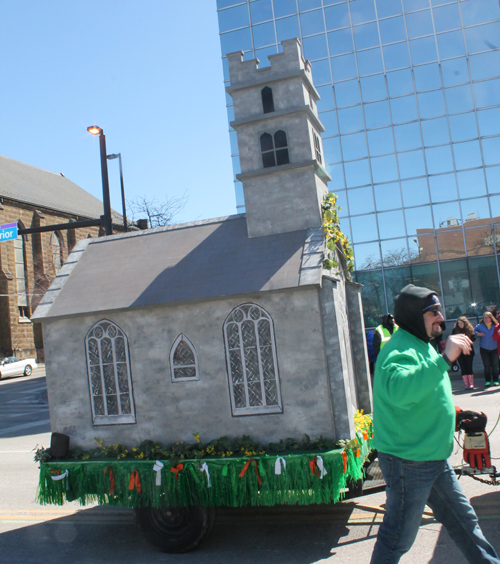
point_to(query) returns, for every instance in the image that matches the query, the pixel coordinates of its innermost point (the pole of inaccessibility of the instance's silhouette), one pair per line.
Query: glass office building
(410, 99)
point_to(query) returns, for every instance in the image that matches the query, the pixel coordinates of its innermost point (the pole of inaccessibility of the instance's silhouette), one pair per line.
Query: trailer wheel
(175, 529)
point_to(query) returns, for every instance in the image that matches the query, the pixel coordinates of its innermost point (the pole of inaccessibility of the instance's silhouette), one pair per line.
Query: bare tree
(158, 213)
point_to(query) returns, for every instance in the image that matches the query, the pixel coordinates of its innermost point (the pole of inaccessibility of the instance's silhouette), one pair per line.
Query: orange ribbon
(111, 479)
(344, 458)
(245, 468)
(135, 481)
(314, 466)
(177, 469)
(358, 453)
(365, 436)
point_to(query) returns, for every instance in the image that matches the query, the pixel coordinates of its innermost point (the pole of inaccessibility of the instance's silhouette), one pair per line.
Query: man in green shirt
(414, 420)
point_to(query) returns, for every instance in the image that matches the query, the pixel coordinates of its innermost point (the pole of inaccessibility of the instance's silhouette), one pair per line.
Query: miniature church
(228, 326)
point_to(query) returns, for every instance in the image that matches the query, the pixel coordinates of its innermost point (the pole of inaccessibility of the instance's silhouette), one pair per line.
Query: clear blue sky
(148, 73)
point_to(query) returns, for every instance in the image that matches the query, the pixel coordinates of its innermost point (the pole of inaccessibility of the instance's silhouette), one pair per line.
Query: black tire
(175, 529)
(28, 370)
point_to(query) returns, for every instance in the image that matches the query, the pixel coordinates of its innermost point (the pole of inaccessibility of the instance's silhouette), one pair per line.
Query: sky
(148, 73)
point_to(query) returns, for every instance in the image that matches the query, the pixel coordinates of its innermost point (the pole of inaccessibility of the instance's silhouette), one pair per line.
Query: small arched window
(109, 374)
(252, 362)
(267, 100)
(183, 360)
(317, 148)
(274, 149)
(21, 273)
(56, 244)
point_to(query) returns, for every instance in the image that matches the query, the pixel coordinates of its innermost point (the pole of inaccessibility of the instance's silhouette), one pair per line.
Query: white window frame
(110, 419)
(248, 409)
(183, 338)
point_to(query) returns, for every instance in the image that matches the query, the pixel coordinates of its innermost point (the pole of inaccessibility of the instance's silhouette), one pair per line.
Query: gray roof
(194, 261)
(25, 183)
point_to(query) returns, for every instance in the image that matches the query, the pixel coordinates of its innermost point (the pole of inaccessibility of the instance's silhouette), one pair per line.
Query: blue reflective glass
(404, 109)
(443, 188)
(331, 150)
(284, 8)
(471, 183)
(495, 208)
(482, 37)
(423, 50)
(455, 71)
(342, 203)
(415, 192)
(377, 114)
(493, 179)
(467, 155)
(362, 11)
(411, 5)
(326, 102)
(439, 159)
(380, 141)
(435, 132)
(354, 146)
(396, 56)
(263, 34)
(419, 23)
(225, 69)
(230, 113)
(491, 150)
(357, 173)
(476, 208)
(427, 77)
(451, 44)
(463, 127)
(446, 215)
(431, 104)
(336, 171)
(344, 67)
(233, 18)
(309, 4)
(373, 88)
(350, 119)
(312, 22)
(229, 100)
(485, 65)
(315, 47)
(236, 166)
(392, 30)
(366, 36)
(340, 41)
(226, 3)
(487, 93)
(361, 201)
(347, 93)
(400, 82)
(239, 196)
(287, 28)
(459, 99)
(391, 224)
(321, 72)
(480, 11)
(233, 140)
(263, 55)
(447, 18)
(364, 228)
(387, 196)
(489, 121)
(367, 257)
(329, 120)
(346, 228)
(337, 16)
(261, 11)
(370, 61)
(384, 169)
(240, 40)
(386, 8)
(411, 164)
(417, 219)
(407, 136)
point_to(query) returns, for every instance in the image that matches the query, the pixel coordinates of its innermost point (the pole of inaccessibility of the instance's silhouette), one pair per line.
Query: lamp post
(124, 210)
(106, 217)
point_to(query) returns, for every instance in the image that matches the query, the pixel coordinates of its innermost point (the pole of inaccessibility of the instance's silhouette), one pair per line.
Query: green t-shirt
(413, 408)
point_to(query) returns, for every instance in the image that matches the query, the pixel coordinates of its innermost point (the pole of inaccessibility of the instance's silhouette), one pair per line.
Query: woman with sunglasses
(488, 348)
(463, 326)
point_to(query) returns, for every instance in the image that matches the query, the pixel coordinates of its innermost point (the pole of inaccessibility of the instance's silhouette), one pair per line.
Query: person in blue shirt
(488, 348)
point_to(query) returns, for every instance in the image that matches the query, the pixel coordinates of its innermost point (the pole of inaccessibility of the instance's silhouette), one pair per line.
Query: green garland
(335, 238)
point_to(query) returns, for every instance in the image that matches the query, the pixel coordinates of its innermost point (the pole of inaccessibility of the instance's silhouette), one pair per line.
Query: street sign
(8, 232)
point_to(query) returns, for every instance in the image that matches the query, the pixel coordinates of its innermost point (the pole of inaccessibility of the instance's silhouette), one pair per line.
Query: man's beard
(436, 332)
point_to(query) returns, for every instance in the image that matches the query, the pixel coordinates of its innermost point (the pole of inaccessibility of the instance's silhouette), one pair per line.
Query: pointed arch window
(251, 361)
(56, 244)
(274, 149)
(21, 274)
(267, 100)
(183, 360)
(110, 378)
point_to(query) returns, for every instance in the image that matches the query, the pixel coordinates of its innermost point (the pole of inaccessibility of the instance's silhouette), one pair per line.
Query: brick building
(34, 197)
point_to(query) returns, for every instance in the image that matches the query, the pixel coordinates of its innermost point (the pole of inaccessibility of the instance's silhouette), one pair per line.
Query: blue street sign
(8, 232)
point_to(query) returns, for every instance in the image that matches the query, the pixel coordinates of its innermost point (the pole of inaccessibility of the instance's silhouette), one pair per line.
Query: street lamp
(124, 211)
(106, 218)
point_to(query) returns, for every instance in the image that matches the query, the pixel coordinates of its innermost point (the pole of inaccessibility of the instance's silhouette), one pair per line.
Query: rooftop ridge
(32, 166)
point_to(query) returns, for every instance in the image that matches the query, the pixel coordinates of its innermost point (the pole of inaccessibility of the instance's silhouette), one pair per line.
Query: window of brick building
(183, 360)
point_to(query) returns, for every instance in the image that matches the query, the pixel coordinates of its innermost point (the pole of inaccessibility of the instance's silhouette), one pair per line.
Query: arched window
(317, 148)
(56, 244)
(109, 374)
(21, 273)
(274, 150)
(183, 360)
(267, 100)
(251, 361)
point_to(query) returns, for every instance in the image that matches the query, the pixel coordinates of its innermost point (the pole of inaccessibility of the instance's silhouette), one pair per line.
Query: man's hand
(456, 345)
(480, 334)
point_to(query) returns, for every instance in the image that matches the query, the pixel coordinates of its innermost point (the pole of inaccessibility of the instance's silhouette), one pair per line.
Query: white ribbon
(61, 477)
(321, 467)
(204, 468)
(157, 468)
(280, 461)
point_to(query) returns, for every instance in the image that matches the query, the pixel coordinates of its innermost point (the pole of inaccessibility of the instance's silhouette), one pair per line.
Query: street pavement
(345, 532)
